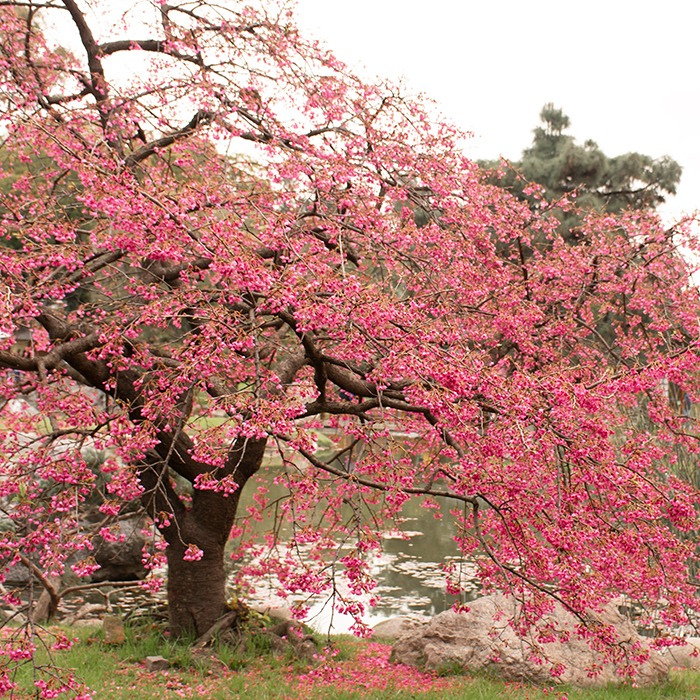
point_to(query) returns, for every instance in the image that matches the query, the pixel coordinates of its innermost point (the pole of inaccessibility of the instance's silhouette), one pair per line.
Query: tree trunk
(196, 589)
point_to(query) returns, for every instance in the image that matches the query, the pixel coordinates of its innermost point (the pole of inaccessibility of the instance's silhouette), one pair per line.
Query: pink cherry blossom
(241, 254)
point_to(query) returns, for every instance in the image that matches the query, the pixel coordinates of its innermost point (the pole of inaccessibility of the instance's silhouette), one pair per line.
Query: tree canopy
(216, 265)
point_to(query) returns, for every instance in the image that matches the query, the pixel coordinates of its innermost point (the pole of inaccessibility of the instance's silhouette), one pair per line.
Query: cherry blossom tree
(209, 228)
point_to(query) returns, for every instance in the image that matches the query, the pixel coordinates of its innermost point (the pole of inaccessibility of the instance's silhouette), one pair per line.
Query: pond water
(408, 572)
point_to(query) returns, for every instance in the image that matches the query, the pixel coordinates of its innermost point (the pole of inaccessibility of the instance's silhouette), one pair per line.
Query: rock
(85, 610)
(395, 627)
(12, 615)
(273, 611)
(687, 656)
(121, 561)
(482, 640)
(113, 628)
(156, 663)
(17, 576)
(22, 406)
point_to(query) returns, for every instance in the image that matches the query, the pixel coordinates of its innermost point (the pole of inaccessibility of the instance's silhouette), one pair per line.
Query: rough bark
(196, 590)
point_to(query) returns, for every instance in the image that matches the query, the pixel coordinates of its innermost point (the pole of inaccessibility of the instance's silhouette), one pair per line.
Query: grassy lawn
(353, 669)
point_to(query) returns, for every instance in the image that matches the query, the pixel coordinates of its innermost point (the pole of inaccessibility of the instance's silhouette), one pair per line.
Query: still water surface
(408, 571)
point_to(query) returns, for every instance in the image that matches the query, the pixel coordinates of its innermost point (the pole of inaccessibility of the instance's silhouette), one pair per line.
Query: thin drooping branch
(159, 498)
(517, 573)
(369, 483)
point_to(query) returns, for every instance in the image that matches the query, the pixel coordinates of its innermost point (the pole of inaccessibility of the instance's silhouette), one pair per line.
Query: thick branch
(201, 117)
(153, 45)
(52, 359)
(54, 597)
(340, 408)
(97, 75)
(173, 449)
(215, 510)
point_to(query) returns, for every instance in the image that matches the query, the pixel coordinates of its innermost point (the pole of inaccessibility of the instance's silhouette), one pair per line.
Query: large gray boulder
(687, 656)
(396, 627)
(121, 561)
(483, 640)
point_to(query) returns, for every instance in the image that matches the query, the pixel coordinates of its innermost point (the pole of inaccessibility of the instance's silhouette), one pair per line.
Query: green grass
(252, 671)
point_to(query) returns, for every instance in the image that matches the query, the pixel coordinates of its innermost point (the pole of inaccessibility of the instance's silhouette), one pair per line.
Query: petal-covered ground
(369, 670)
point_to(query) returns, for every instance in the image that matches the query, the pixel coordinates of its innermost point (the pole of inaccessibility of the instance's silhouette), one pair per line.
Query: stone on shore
(687, 656)
(482, 640)
(395, 627)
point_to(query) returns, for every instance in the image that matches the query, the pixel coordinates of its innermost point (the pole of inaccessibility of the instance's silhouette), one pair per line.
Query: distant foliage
(565, 168)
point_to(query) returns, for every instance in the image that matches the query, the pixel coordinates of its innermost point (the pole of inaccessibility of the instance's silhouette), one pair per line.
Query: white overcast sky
(626, 72)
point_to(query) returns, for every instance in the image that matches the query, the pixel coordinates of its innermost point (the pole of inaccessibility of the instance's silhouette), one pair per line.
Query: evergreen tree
(599, 182)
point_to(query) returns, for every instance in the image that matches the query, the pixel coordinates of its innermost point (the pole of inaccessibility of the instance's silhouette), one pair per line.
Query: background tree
(223, 313)
(599, 182)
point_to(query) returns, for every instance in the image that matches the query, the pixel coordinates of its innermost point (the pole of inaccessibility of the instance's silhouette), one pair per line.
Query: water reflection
(408, 571)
